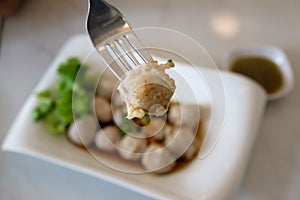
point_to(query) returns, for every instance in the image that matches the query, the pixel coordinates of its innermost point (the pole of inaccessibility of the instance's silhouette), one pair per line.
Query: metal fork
(114, 39)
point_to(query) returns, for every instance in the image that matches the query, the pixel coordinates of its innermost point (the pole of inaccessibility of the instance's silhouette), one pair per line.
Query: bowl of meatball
(197, 148)
(158, 144)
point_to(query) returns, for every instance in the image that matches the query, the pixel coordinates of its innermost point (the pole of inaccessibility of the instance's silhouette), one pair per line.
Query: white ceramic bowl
(272, 53)
(230, 113)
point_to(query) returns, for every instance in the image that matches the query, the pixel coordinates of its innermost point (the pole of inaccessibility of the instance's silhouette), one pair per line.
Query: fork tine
(112, 62)
(137, 46)
(127, 49)
(119, 55)
(123, 52)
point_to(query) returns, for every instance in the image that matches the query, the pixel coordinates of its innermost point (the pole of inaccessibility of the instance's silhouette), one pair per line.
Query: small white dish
(230, 122)
(272, 53)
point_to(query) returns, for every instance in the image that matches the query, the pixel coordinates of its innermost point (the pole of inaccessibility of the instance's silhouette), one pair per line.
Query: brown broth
(260, 69)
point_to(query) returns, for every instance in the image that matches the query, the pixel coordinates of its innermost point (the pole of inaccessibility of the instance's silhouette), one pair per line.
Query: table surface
(33, 36)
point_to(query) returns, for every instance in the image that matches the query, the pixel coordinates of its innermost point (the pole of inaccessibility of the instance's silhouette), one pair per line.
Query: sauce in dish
(260, 69)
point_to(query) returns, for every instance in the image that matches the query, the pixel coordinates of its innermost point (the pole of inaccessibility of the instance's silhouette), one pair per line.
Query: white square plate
(230, 126)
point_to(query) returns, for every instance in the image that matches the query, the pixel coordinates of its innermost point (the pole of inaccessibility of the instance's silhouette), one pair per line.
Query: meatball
(106, 85)
(131, 148)
(193, 149)
(158, 159)
(116, 100)
(107, 138)
(103, 110)
(82, 131)
(179, 141)
(184, 115)
(118, 116)
(156, 128)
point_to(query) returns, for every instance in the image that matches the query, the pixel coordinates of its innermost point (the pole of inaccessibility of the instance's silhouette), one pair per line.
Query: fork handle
(101, 11)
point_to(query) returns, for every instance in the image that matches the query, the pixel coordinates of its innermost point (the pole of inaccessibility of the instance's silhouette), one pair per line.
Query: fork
(114, 39)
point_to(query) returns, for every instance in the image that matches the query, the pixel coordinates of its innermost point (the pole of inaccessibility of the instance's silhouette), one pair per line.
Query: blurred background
(33, 31)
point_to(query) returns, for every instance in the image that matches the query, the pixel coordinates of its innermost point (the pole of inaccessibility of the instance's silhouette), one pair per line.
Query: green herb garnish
(171, 63)
(58, 105)
(127, 125)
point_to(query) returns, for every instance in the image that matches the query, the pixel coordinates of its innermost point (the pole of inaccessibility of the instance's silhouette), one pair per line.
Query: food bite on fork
(147, 89)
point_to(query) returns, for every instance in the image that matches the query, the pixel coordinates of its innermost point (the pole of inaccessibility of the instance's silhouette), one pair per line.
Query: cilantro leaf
(55, 104)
